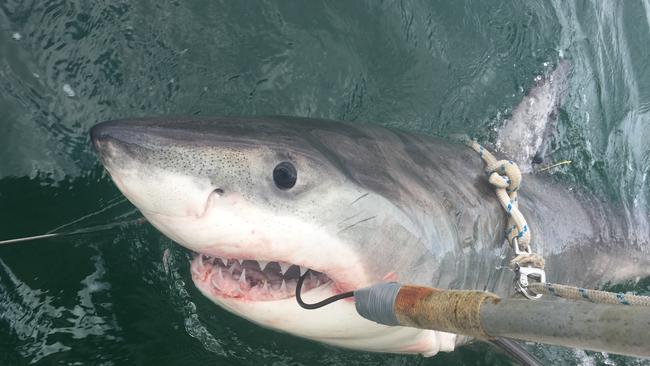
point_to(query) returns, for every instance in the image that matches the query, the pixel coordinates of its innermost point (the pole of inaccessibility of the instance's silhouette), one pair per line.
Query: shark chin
(244, 290)
(251, 269)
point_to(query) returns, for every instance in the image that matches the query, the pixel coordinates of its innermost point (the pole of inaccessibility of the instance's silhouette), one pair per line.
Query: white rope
(595, 296)
(505, 176)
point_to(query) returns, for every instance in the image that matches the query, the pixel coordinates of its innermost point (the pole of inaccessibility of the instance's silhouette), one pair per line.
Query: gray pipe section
(608, 328)
(377, 302)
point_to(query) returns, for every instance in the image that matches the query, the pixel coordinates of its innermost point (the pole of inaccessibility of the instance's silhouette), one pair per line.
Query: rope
(505, 176)
(595, 296)
(528, 260)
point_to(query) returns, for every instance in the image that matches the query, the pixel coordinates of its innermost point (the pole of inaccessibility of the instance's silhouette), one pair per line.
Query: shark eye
(285, 175)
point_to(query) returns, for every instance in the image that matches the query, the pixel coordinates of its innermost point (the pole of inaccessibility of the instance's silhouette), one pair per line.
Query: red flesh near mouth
(252, 279)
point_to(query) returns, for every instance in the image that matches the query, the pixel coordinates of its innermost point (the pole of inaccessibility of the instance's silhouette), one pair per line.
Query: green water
(438, 68)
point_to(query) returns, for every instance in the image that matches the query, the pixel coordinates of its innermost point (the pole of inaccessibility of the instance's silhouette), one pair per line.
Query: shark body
(262, 199)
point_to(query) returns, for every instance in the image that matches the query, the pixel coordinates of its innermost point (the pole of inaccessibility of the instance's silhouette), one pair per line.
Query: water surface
(433, 67)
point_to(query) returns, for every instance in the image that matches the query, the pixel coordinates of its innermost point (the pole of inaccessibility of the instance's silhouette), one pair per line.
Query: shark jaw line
(253, 280)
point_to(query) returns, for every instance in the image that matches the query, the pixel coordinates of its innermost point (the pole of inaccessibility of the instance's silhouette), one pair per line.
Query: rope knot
(528, 260)
(505, 176)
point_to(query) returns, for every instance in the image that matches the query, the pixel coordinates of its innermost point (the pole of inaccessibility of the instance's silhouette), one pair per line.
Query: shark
(260, 200)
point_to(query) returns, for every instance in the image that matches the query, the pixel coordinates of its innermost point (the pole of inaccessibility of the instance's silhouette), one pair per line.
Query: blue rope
(621, 298)
(596, 296)
(523, 231)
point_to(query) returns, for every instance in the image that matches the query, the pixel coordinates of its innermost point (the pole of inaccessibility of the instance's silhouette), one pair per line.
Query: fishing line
(110, 204)
(319, 304)
(87, 230)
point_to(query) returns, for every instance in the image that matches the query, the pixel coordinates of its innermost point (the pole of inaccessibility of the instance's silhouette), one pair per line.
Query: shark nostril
(216, 193)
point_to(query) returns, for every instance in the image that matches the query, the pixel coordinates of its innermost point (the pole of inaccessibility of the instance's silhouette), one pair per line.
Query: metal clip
(515, 244)
(521, 280)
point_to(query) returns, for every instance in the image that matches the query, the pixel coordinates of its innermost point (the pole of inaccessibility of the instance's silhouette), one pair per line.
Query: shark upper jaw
(246, 254)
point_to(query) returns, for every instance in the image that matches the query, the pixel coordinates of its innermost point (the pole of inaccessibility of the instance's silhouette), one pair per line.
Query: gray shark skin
(525, 136)
(369, 204)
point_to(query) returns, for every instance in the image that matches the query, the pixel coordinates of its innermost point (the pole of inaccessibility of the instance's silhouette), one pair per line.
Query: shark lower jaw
(336, 324)
(265, 295)
(263, 292)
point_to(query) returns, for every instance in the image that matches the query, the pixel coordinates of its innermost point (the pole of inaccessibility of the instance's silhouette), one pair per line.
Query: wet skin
(368, 204)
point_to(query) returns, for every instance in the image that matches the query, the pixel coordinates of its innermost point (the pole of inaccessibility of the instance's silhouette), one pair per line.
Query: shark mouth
(253, 280)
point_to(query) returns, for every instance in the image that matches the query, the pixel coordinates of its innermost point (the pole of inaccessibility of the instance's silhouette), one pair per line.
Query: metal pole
(622, 329)
(608, 328)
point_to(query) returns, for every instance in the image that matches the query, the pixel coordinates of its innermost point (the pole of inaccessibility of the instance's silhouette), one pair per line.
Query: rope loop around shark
(505, 176)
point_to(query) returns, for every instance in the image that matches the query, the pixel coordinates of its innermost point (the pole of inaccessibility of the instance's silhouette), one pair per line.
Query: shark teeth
(284, 267)
(263, 264)
(252, 279)
(283, 286)
(215, 283)
(242, 277)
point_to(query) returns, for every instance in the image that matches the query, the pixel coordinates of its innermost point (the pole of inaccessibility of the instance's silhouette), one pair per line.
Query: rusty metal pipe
(608, 328)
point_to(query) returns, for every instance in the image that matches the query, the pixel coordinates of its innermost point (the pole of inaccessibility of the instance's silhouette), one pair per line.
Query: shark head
(259, 201)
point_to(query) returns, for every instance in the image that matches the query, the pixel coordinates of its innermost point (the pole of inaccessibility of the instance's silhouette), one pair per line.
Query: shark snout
(152, 169)
(112, 137)
(100, 135)
(100, 132)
